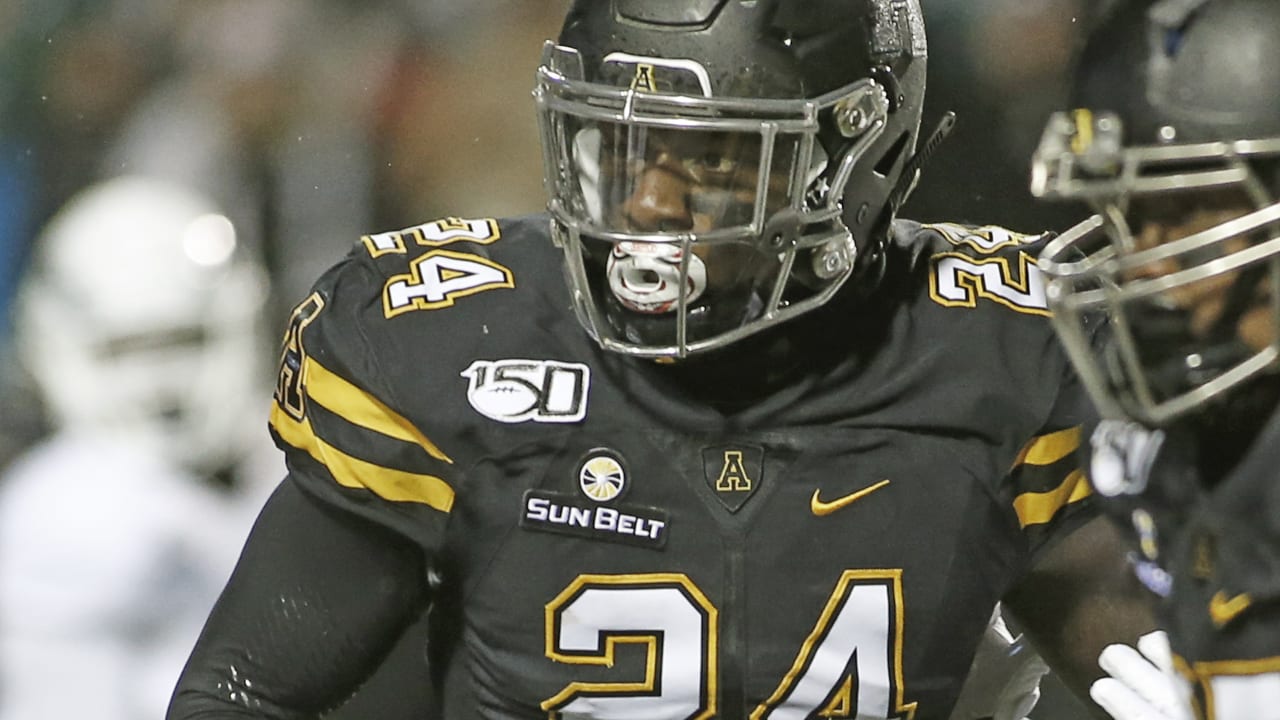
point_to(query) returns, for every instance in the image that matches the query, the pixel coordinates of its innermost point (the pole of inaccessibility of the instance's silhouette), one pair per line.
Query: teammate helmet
(140, 319)
(1178, 110)
(715, 167)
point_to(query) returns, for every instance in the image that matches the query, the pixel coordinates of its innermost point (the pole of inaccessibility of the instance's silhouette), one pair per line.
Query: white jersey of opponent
(109, 563)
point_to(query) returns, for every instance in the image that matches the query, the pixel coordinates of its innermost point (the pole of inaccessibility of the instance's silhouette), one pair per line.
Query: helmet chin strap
(870, 266)
(911, 171)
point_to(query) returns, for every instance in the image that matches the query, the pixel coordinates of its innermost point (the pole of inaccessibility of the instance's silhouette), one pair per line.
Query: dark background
(314, 121)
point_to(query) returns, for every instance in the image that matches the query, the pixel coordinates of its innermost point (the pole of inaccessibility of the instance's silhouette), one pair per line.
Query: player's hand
(1142, 684)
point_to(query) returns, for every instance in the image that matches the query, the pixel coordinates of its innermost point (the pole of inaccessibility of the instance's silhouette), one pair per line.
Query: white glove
(1004, 679)
(1143, 684)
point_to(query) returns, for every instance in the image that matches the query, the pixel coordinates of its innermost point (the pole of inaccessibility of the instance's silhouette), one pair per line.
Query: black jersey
(603, 546)
(1221, 551)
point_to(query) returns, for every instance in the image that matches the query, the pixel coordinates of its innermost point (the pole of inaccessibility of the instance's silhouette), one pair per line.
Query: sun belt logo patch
(602, 477)
(515, 391)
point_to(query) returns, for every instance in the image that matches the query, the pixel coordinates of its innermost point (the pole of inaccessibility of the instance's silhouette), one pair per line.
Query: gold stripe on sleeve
(1034, 508)
(1049, 449)
(1218, 668)
(389, 484)
(360, 408)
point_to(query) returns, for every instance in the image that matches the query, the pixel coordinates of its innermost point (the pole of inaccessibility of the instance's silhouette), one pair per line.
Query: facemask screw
(849, 119)
(832, 260)
(855, 113)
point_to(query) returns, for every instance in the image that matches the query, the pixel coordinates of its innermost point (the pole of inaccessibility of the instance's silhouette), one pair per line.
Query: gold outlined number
(958, 280)
(289, 394)
(666, 615)
(856, 643)
(433, 234)
(849, 666)
(1222, 689)
(438, 278)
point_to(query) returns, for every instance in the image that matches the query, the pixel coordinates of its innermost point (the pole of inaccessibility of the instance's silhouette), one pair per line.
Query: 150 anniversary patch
(569, 515)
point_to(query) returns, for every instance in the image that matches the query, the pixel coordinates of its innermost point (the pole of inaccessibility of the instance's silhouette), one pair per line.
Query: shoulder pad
(434, 234)
(981, 239)
(336, 387)
(335, 417)
(384, 341)
(431, 266)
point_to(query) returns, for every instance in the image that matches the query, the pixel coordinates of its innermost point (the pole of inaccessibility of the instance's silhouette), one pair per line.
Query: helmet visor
(643, 181)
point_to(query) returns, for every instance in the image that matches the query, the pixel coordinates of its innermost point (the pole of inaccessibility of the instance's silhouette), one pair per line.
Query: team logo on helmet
(681, 76)
(644, 80)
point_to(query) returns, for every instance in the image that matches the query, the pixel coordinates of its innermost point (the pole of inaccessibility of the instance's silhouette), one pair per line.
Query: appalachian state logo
(645, 81)
(734, 473)
(646, 74)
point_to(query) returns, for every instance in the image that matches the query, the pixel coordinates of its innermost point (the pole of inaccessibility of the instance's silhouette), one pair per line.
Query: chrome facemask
(759, 237)
(1157, 364)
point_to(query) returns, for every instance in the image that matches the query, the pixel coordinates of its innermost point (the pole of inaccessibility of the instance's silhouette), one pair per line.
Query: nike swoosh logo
(821, 508)
(1223, 610)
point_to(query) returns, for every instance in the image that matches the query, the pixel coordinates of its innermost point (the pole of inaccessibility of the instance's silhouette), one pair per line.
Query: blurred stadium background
(313, 121)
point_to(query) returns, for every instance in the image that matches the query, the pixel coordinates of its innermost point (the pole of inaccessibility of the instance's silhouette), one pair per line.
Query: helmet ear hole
(884, 167)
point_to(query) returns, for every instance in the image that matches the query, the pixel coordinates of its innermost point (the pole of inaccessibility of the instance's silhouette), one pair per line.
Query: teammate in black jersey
(1176, 144)
(797, 457)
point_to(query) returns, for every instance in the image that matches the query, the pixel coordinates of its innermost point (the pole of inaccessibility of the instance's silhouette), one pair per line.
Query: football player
(140, 323)
(800, 452)
(1176, 145)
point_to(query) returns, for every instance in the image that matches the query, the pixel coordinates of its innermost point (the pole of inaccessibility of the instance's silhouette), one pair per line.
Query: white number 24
(675, 624)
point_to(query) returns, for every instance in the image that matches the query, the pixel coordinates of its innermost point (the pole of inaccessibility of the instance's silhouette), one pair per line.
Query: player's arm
(317, 600)
(1080, 596)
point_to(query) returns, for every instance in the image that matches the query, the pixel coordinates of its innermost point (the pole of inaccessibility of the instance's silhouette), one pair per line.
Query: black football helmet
(1177, 111)
(716, 167)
